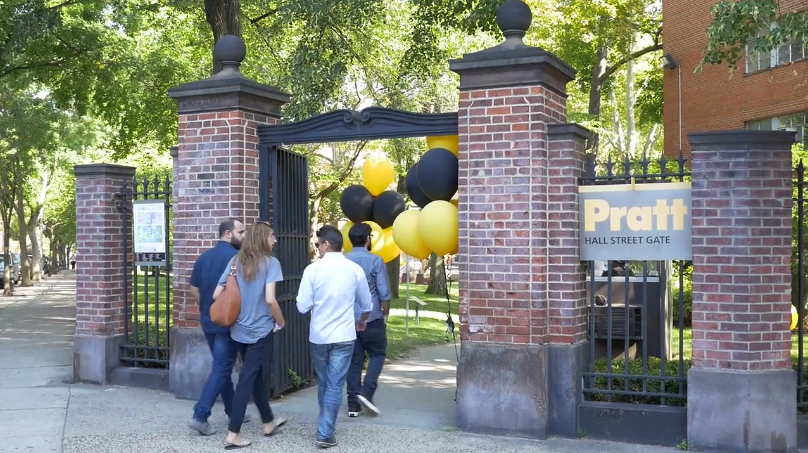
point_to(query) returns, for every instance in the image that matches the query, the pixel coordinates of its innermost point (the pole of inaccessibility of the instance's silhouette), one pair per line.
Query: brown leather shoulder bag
(227, 306)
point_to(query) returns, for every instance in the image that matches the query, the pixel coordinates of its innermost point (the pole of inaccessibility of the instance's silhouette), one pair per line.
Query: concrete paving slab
(34, 398)
(34, 377)
(35, 444)
(31, 422)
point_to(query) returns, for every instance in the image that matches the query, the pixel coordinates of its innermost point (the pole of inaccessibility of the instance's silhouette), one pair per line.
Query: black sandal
(237, 447)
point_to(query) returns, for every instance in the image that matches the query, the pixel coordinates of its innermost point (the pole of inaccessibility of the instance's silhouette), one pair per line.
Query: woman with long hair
(257, 272)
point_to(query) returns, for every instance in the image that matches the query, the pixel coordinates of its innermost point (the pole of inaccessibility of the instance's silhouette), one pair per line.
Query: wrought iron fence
(147, 276)
(799, 284)
(639, 311)
(287, 173)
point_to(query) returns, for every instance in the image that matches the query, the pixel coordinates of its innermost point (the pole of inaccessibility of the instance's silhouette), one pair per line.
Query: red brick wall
(566, 274)
(742, 258)
(217, 178)
(99, 252)
(503, 212)
(711, 100)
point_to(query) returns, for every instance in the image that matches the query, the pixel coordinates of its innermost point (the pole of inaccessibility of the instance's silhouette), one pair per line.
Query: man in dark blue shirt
(371, 335)
(204, 278)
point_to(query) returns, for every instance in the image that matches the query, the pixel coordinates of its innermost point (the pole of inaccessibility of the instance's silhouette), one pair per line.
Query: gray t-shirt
(255, 321)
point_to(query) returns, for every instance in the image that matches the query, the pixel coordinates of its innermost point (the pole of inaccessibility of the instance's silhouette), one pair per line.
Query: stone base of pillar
(94, 358)
(190, 362)
(502, 389)
(741, 411)
(566, 364)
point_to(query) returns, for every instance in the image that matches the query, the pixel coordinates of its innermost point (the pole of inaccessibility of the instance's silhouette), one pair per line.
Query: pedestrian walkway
(41, 412)
(36, 341)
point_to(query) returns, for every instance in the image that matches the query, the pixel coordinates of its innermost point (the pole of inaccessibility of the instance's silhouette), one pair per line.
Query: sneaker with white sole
(354, 412)
(368, 405)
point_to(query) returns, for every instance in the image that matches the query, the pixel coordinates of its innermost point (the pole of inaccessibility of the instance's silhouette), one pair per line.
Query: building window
(797, 122)
(783, 55)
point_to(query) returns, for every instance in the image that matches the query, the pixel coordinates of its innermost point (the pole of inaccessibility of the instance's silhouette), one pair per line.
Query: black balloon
(356, 203)
(437, 174)
(414, 189)
(386, 207)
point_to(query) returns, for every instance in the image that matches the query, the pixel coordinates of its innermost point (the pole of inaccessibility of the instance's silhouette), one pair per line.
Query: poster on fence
(149, 220)
(636, 222)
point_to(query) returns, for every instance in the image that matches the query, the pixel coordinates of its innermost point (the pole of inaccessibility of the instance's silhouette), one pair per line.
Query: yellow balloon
(454, 201)
(406, 235)
(377, 174)
(450, 142)
(390, 250)
(456, 249)
(795, 317)
(346, 242)
(376, 238)
(438, 226)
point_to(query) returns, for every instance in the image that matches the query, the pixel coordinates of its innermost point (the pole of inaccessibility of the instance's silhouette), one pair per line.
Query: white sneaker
(370, 406)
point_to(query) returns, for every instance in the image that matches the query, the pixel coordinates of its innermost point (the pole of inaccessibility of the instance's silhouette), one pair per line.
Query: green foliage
(640, 385)
(682, 292)
(737, 23)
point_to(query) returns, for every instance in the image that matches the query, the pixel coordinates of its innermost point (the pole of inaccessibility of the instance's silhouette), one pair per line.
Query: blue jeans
(331, 362)
(252, 381)
(372, 341)
(220, 379)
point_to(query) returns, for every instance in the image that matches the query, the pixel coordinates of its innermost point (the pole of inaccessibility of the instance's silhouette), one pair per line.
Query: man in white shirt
(330, 288)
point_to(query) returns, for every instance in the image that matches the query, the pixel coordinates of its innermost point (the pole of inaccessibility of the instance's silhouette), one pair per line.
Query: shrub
(635, 368)
(653, 385)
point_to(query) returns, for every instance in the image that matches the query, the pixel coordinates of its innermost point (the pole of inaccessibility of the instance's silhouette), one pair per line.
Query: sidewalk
(36, 356)
(41, 413)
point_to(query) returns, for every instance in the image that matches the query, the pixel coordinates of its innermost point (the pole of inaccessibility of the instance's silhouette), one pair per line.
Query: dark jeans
(372, 341)
(253, 377)
(331, 362)
(220, 379)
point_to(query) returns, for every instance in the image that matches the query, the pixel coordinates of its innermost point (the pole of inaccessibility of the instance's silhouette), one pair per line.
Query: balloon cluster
(431, 183)
(372, 204)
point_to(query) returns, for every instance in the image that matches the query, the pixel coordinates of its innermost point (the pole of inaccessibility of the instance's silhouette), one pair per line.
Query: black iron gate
(638, 329)
(147, 274)
(284, 201)
(285, 187)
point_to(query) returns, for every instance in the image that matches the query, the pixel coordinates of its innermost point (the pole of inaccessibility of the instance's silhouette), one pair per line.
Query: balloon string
(449, 322)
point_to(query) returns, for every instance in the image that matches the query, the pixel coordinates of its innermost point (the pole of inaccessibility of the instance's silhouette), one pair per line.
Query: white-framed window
(797, 122)
(783, 55)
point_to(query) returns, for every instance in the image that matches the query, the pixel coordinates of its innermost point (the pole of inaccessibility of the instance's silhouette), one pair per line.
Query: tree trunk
(596, 93)
(25, 263)
(36, 252)
(437, 278)
(8, 285)
(392, 274)
(224, 18)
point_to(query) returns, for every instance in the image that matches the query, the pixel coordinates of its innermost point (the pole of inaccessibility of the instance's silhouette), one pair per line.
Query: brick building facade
(767, 92)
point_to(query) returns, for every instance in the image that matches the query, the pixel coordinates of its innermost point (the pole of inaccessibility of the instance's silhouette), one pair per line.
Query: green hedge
(635, 368)
(161, 339)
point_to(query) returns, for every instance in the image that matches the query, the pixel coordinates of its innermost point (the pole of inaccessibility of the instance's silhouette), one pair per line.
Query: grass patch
(434, 302)
(429, 333)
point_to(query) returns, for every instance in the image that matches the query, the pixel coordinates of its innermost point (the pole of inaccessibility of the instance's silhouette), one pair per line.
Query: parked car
(16, 268)
(3, 271)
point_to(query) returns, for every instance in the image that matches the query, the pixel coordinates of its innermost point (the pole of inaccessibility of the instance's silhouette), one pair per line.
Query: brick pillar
(568, 348)
(508, 96)
(742, 389)
(99, 271)
(216, 177)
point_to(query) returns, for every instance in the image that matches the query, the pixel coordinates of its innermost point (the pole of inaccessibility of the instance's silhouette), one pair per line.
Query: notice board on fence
(149, 219)
(638, 222)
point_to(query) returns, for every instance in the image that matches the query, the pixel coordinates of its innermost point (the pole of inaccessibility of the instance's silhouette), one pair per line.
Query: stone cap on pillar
(103, 171)
(738, 139)
(512, 62)
(229, 89)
